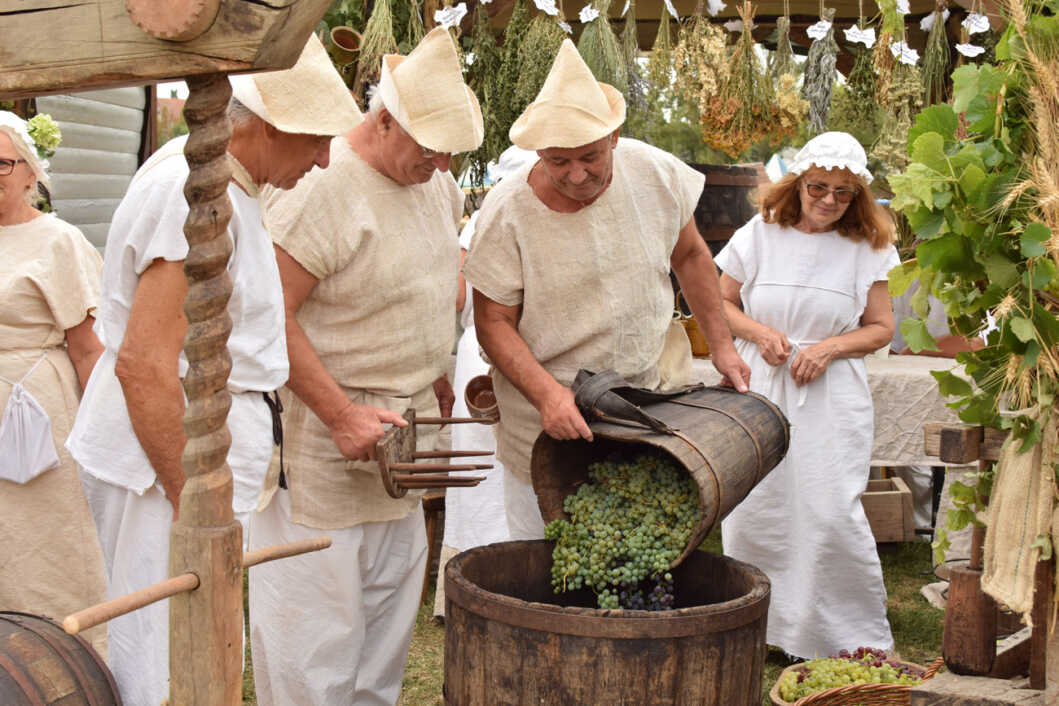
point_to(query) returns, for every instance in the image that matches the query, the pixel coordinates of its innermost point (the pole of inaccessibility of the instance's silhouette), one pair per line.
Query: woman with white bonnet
(49, 286)
(474, 516)
(804, 284)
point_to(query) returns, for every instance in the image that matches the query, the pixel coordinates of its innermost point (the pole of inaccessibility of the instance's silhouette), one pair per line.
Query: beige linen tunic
(593, 285)
(382, 319)
(49, 282)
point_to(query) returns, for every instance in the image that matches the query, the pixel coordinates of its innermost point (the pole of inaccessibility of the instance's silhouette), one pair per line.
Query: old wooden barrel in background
(727, 200)
(41, 664)
(727, 441)
(510, 640)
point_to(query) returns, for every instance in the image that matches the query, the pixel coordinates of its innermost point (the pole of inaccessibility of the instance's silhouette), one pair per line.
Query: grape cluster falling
(626, 527)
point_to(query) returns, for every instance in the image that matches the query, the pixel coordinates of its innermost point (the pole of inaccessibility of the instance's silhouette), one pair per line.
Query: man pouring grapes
(570, 269)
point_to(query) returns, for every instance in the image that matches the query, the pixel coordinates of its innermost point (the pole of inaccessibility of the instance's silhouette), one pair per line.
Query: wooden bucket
(41, 664)
(727, 200)
(510, 640)
(728, 441)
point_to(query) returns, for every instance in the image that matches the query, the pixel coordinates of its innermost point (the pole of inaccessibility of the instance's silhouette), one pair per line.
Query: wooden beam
(56, 47)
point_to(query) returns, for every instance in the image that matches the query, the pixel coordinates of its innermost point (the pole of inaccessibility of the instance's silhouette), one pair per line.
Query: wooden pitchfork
(397, 456)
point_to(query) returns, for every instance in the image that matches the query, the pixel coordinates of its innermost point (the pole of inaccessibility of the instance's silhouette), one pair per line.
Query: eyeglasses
(8, 165)
(819, 191)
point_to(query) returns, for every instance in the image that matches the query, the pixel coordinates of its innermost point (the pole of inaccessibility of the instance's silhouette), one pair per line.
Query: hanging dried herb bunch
(536, 54)
(636, 85)
(481, 74)
(502, 112)
(903, 101)
(601, 50)
(701, 62)
(936, 58)
(745, 110)
(415, 25)
(820, 74)
(782, 60)
(376, 41)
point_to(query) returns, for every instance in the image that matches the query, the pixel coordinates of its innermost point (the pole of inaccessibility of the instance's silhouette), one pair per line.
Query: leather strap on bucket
(608, 397)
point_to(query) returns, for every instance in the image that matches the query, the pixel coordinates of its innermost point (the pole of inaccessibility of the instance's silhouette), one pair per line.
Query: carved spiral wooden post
(205, 638)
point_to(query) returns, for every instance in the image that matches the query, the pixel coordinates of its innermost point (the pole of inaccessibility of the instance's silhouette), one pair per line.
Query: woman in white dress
(49, 287)
(804, 284)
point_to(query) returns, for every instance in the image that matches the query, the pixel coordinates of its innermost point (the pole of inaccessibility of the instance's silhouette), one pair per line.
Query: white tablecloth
(906, 397)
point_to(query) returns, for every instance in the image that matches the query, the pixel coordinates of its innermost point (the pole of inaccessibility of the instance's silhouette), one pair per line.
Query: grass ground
(915, 623)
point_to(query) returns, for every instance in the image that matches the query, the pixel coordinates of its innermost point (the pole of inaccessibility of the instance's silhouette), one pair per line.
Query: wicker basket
(859, 694)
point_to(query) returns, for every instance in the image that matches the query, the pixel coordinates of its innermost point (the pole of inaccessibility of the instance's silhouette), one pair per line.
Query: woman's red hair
(863, 220)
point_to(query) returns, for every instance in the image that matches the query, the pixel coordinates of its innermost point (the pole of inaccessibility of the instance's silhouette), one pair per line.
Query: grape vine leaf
(948, 253)
(925, 222)
(951, 385)
(929, 149)
(939, 118)
(1033, 239)
(915, 333)
(900, 277)
(971, 181)
(1001, 271)
(1023, 328)
(916, 183)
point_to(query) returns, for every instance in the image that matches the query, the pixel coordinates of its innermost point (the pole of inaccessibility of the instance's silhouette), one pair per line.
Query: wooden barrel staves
(728, 441)
(727, 200)
(41, 664)
(510, 640)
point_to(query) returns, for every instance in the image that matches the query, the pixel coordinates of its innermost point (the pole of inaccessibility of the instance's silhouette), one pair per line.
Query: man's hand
(811, 362)
(172, 490)
(733, 369)
(358, 427)
(446, 397)
(773, 346)
(561, 418)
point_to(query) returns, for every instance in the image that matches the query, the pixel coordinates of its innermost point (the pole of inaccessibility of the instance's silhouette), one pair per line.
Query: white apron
(804, 525)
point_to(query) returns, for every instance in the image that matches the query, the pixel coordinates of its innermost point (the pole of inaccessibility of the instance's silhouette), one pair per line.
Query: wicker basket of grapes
(865, 677)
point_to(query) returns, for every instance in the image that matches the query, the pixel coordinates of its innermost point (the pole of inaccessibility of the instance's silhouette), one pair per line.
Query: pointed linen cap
(426, 95)
(572, 108)
(308, 98)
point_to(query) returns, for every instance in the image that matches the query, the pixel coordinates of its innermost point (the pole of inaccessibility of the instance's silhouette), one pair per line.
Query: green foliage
(602, 51)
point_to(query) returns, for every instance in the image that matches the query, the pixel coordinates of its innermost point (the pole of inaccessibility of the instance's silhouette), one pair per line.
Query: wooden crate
(888, 505)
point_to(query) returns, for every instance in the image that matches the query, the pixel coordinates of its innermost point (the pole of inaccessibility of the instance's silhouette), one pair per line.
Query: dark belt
(275, 407)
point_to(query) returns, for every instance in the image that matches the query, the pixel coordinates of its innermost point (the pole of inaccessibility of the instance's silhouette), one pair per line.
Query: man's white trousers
(134, 533)
(332, 628)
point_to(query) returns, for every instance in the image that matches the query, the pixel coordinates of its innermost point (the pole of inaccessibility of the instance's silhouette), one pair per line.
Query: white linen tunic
(804, 525)
(593, 285)
(132, 515)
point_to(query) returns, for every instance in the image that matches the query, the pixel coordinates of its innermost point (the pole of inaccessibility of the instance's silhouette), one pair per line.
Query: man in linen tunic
(368, 253)
(583, 281)
(128, 435)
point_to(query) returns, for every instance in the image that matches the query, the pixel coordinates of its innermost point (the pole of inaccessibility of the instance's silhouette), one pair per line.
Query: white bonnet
(509, 161)
(832, 150)
(17, 129)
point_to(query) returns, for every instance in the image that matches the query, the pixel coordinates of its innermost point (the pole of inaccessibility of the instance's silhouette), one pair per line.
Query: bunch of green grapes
(864, 666)
(627, 525)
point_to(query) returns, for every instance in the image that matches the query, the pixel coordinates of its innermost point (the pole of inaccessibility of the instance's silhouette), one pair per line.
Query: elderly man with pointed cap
(128, 436)
(368, 252)
(570, 269)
